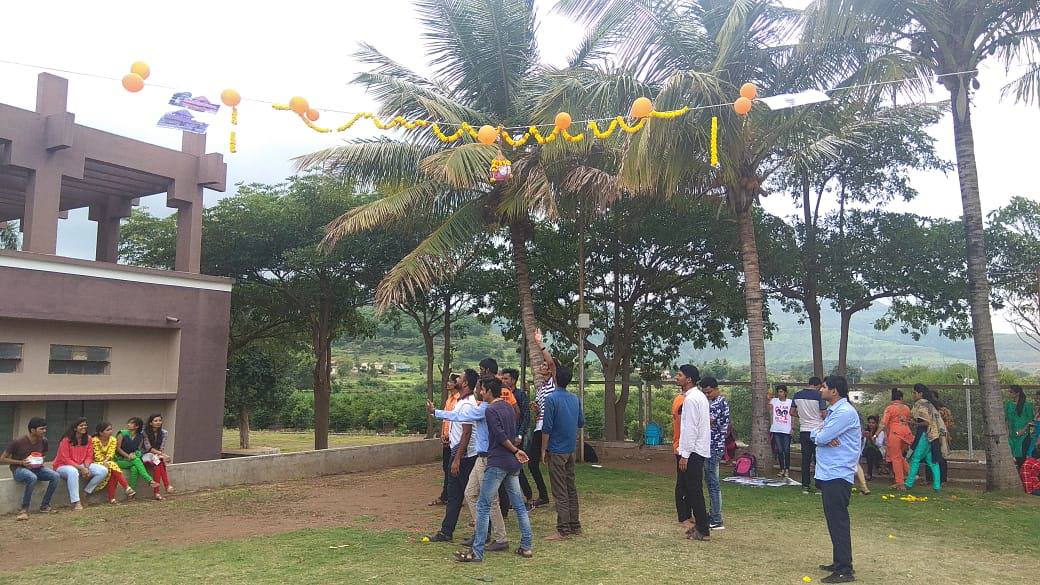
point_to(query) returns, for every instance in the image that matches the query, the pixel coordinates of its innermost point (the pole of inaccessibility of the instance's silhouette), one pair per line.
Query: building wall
(179, 320)
(142, 359)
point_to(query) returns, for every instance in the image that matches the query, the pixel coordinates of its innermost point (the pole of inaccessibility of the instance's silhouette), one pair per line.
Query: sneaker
(440, 538)
(497, 546)
(540, 502)
(716, 526)
(838, 578)
(832, 569)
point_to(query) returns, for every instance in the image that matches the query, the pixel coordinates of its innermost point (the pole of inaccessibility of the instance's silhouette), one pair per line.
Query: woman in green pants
(129, 445)
(931, 432)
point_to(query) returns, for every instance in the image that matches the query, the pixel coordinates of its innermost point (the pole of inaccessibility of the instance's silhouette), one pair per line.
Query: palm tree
(699, 54)
(951, 39)
(8, 236)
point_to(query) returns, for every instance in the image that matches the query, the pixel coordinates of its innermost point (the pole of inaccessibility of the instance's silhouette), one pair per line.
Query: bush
(382, 419)
(299, 411)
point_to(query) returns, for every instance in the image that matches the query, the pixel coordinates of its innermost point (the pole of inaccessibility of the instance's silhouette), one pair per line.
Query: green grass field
(292, 441)
(773, 536)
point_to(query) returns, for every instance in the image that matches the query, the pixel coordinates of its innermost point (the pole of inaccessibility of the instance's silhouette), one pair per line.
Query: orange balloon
(313, 115)
(141, 68)
(487, 134)
(133, 82)
(563, 120)
(299, 105)
(749, 91)
(230, 97)
(742, 106)
(642, 107)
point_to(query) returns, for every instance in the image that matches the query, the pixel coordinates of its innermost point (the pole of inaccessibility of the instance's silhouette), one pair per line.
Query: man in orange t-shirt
(449, 404)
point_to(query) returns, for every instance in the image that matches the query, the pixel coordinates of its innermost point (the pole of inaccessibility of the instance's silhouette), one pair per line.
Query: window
(10, 358)
(83, 360)
(61, 413)
(6, 422)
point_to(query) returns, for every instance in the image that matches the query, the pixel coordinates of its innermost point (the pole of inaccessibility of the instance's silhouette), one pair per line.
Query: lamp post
(967, 401)
(583, 327)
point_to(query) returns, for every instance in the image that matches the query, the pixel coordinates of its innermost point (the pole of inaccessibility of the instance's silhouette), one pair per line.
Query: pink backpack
(745, 465)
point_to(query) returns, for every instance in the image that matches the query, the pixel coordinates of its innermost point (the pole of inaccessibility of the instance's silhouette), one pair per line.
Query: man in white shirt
(694, 449)
(808, 408)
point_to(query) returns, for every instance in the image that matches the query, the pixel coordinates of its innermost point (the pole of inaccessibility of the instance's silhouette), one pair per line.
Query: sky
(270, 53)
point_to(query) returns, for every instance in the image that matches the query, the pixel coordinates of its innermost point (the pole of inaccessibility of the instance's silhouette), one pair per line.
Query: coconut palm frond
(1026, 87)
(369, 160)
(402, 97)
(462, 167)
(420, 197)
(431, 260)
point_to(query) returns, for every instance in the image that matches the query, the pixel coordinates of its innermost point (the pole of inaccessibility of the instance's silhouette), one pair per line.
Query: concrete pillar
(188, 198)
(107, 217)
(40, 222)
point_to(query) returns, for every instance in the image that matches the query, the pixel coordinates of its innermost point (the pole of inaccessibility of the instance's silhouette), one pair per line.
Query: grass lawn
(773, 536)
(292, 441)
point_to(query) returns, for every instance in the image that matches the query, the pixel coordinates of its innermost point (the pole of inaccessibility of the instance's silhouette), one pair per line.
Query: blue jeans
(493, 478)
(711, 476)
(29, 477)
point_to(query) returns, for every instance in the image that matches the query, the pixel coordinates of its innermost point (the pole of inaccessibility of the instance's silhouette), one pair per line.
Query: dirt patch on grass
(373, 500)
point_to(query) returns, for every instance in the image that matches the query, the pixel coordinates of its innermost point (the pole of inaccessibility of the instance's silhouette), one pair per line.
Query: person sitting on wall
(75, 462)
(129, 448)
(155, 457)
(25, 456)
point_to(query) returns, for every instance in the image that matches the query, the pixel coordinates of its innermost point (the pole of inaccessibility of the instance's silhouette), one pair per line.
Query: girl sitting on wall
(155, 457)
(104, 445)
(75, 461)
(130, 442)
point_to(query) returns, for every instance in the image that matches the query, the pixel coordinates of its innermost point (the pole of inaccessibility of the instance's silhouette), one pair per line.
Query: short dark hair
(453, 377)
(815, 381)
(691, 372)
(897, 394)
(489, 364)
(471, 378)
(873, 417)
(492, 385)
(512, 373)
(563, 376)
(36, 422)
(709, 382)
(781, 388)
(919, 387)
(137, 421)
(838, 383)
(101, 426)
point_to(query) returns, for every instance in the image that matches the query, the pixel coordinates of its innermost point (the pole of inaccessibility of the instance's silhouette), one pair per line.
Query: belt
(482, 454)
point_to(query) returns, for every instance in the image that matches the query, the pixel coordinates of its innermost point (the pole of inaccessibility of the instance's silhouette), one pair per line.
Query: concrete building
(94, 338)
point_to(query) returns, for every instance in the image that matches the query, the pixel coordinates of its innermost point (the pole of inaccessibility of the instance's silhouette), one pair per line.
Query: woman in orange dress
(896, 424)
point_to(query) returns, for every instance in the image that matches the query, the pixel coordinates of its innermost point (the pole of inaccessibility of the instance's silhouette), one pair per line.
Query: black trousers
(525, 487)
(836, 494)
(874, 460)
(808, 455)
(456, 494)
(534, 451)
(693, 480)
(682, 509)
(446, 465)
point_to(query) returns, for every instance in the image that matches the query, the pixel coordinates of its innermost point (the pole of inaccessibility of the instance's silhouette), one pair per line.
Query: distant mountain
(869, 348)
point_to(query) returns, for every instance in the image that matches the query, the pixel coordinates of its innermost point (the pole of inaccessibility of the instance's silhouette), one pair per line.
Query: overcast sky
(271, 53)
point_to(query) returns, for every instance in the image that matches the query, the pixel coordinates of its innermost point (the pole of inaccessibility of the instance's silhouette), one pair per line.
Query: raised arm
(549, 361)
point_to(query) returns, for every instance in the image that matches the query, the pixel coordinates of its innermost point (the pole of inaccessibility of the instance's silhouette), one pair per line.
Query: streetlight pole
(583, 326)
(967, 401)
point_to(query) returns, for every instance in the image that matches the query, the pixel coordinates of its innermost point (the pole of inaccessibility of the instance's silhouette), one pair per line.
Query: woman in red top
(896, 424)
(75, 461)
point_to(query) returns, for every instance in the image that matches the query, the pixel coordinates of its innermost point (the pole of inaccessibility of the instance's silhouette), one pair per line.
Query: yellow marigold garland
(715, 141)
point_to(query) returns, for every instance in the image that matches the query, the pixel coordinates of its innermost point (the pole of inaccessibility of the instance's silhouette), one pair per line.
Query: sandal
(466, 556)
(130, 494)
(524, 552)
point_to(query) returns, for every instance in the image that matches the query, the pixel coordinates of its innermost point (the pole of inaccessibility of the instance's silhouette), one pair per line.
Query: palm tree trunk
(446, 355)
(431, 425)
(756, 334)
(518, 241)
(1000, 470)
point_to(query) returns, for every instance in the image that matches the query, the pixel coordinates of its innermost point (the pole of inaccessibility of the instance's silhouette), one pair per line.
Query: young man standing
(449, 404)
(25, 456)
(683, 382)
(808, 408)
(780, 428)
(463, 457)
(837, 456)
(509, 376)
(548, 373)
(562, 419)
(718, 414)
(504, 461)
(694, 450)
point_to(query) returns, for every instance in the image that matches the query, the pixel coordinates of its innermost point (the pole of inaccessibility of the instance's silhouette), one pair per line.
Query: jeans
(808, 454)
(71, 476)
(783, 449)
(694, 480)
(475, 490)
(456, 493)
(29, 477)
(534, 451)
(494, 477)
(561, 475)
(836, 496)
(711, 477)
(682, 509)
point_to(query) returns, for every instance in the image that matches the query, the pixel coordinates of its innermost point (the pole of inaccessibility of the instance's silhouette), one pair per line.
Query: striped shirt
(543, 391)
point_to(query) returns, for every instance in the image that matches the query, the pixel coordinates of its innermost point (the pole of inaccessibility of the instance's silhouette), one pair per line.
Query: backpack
(745, 465)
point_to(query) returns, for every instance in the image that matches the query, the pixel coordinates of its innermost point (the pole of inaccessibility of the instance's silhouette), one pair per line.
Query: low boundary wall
(201, 475)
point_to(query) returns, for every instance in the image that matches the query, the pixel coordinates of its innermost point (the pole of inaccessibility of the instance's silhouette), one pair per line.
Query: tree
(914, 262)
(698, 54)
(270, 235)
(1014, 234)
(873, 171)
(659, 273)
(257, 378)
(951, 39)
(8, 236)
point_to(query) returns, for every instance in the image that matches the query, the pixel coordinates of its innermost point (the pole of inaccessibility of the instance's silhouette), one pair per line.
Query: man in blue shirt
(560, 423)
(837, 455)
